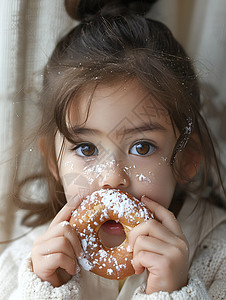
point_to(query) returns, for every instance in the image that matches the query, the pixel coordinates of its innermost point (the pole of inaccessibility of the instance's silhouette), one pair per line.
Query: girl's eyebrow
(152, 126)
(85, 131)
(121, 129)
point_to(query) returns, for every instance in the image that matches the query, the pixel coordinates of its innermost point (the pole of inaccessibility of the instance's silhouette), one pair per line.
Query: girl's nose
(114, 177)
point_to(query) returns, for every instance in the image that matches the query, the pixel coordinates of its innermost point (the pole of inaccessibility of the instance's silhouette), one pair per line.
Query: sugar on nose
(114, 177)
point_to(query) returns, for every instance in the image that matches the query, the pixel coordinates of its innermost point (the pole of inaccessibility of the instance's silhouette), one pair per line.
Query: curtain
(29, 30)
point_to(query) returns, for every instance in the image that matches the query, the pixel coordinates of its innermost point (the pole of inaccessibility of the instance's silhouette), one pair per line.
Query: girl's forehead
(117, 103)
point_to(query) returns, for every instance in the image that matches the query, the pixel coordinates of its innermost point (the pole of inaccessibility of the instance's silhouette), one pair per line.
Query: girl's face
(126, 143)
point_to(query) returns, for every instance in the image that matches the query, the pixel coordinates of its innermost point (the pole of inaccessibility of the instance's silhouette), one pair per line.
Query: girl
(121, 109)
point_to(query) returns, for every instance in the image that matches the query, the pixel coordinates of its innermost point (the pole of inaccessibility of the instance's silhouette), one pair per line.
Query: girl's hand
(160, 246)
(54, 253)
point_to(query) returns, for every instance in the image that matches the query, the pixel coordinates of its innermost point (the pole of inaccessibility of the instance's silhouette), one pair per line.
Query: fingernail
(144, 198)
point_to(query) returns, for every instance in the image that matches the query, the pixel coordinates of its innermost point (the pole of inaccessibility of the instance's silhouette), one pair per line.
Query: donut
(96, 209)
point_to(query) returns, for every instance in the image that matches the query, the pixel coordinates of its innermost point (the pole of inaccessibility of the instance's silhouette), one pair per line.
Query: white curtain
(29, 30)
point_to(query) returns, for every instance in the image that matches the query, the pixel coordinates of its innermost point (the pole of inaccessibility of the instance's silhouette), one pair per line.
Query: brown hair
(111, 42)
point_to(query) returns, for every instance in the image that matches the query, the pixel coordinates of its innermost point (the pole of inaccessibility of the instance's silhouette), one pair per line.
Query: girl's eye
(142, 148)
(85, 149)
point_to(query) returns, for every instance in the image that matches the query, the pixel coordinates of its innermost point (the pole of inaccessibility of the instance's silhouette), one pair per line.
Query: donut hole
(111, 234)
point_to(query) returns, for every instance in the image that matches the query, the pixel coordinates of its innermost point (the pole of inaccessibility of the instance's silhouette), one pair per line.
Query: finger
(65, 213)
(145, 259)
(150, 244)
(162, 214)
(63, 229)
(152, 228)
(56, 245)
(173, 252)
(156, 274)
(54, 261)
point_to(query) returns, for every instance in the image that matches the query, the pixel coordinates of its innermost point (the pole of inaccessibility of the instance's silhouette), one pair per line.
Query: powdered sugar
(64, 223)
(109, 271)
(119, 203)
(85, 264)
(143, 178)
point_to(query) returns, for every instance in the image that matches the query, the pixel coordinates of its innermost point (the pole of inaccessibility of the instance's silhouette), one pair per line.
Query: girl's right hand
(54, 254)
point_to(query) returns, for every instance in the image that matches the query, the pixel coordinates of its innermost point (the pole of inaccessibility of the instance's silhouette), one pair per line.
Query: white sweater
(207, 274)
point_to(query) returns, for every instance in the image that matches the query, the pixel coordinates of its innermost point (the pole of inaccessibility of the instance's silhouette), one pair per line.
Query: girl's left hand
(160, 246)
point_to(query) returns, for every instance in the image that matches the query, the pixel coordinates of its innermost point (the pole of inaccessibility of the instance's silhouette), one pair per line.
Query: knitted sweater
(207, 274)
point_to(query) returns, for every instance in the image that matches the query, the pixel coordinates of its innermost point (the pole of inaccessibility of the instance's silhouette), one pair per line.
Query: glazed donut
(94, 211)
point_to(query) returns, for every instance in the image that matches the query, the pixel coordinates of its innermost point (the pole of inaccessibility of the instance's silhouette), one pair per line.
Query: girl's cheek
(73, 180)
(155, 180)
(163, 188)
(84, 178)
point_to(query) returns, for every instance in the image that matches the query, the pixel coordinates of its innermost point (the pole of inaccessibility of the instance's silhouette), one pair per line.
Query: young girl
(121, 109)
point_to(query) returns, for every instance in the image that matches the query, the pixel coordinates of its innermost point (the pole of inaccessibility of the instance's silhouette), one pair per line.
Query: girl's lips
(111, 234)
(112, 228)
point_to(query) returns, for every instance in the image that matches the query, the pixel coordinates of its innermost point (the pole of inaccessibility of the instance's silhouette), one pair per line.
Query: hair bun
(87, 9)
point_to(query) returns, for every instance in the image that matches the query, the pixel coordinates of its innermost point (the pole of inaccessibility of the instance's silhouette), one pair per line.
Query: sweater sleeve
(218, 287)
(195, 290)
(9, 261)
(207, 275)
(32, 287)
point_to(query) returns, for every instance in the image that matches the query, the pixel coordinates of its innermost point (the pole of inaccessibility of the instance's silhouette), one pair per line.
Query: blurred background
(29, 30)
